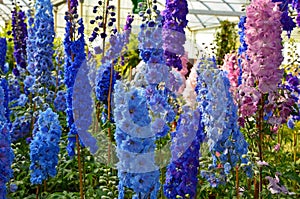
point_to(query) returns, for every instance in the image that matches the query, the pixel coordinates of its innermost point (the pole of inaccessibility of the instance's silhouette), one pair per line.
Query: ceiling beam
(216, 13)
(58, 3)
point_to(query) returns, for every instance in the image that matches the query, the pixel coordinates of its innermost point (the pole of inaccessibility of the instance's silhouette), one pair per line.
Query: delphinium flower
(44, 147)
(173, 31)
(6, 152)
(40, 43)
(19, 31)
(104, 21)
(243, 45)
(60, 101)
(275, 187)
(3, 49)
(181, 176)
(286, 20)
(233, 70)
(242, 48)
(261, 73)
(226, 143)
(20, 127)
(135, 141)
(14, 90)
(5, 87)
(106, 75)
(75, 56)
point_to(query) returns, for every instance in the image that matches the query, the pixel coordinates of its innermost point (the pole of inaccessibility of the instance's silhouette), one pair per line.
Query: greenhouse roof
(203, 14)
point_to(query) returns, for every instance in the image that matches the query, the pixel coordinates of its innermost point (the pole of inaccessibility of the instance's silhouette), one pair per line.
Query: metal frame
(206, 10)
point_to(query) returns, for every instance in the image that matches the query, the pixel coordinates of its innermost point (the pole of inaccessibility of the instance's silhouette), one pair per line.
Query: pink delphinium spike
(261, 73)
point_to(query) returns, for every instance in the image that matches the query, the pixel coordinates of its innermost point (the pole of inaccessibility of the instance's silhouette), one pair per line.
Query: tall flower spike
(6, 152)
(75, 57)
(40, 42)
(44, 147)
(3, 49)
(19, 29)
(261, 73)
(226, 143)
(173, 31)
(233, 70)
(181, 176)
(135, 142)
(117, 41)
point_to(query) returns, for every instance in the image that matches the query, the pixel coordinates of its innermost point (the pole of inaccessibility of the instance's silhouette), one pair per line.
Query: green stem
(260, 142)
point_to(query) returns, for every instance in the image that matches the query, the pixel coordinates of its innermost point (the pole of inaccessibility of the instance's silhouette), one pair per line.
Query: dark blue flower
(6, 152)
(181, 176)
(3, 49)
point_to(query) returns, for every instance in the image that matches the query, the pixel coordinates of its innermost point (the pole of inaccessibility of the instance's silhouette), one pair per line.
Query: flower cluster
(3, 49)
(40, 42)
(4, 85)
(226, 143)
(135, 140)
(60, 101)
(20, 127)
(6, 152)
(103, 22)
(44, 147)
(159, 81)
(75, 57)
(181, 176)
(261, 73)
(14, 90)
(173, 31)
(243, 46)
(287, 21)
(19, 30)
(231, 66)
(106, 72)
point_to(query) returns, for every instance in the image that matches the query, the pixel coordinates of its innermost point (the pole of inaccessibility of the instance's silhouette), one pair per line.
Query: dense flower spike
(40, 42)
(75, 56)
(44, 147)
(226, 143)
(19, 30)
(135, 140)
(181, 176)
(261, 73)
(5, 87)
(3, 49)
(6, 152)
(173, 31)
(243, 45)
